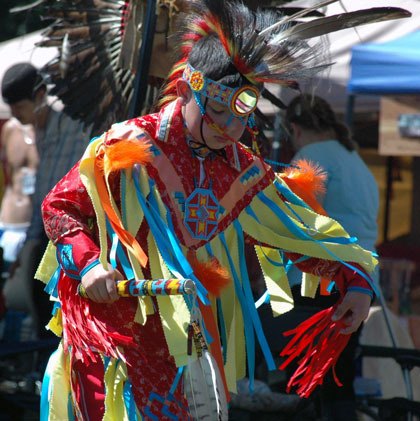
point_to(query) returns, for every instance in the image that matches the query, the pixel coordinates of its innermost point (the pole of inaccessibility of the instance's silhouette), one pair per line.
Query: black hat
(19, 82)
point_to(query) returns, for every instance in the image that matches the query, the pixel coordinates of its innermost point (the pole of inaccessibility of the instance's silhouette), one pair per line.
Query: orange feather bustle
(211, 274)
(307, 180)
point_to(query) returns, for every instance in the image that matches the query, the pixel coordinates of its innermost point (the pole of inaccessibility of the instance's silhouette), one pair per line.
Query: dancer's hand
(352, 310)
(99, 284)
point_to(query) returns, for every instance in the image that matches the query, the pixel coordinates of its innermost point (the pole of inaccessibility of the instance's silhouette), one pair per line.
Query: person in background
(20, 161)
(59, 141)
(351, 198)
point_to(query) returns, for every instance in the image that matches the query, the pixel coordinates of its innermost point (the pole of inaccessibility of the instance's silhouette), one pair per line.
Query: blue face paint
(229, 120)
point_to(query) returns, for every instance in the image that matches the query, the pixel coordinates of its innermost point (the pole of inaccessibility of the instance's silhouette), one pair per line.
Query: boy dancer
(174, 194)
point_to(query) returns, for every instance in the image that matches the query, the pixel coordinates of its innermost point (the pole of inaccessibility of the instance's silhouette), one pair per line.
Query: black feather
(273, 99)
(341, 21)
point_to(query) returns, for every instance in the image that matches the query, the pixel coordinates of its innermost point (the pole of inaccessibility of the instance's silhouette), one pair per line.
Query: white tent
(22, 49)
(333, 85)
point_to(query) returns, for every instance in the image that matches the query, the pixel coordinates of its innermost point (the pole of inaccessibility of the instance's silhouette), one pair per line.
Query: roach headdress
(99, 41)
(265, 46)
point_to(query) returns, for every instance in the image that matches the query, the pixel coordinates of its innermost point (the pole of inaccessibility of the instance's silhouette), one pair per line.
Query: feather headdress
(237, 28)
(99, 42)
(265, 46)
(87, 75)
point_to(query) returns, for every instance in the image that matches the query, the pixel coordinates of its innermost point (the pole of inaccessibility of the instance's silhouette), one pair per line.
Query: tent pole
(388, 193)
(144, 59)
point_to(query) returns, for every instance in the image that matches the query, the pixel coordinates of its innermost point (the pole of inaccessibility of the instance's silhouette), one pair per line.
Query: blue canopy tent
(386, 69)
(391, 68)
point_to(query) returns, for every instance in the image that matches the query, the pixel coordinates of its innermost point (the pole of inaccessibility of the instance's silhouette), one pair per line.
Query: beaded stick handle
(143, 287)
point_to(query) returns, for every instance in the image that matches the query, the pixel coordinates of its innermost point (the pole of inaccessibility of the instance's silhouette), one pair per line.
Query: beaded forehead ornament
(241, 101)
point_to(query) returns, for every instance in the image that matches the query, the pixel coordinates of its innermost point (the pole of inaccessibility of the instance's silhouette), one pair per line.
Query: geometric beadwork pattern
(201, 213)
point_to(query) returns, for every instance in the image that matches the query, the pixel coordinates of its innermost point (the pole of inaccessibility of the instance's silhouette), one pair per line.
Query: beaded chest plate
(201, 213)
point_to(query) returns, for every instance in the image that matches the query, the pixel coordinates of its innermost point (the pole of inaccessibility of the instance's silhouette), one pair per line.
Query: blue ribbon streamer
(293, 228)
(287, 222)
(209, 250)
(169, 248)
(70, 410)
(330, 286)
(296, 200)
(129, 402)
(189, 299)
(45, 404)
(279, 164)
(165, 239)
(55, 308)
(251, 212)
(289, 195)
(246, 285)
(114, 245)
(159, 236)
(52, 287)
(176, 380)
(129, 274)
(273, 262)
(264, 299)
(183, 263)
(117, 253)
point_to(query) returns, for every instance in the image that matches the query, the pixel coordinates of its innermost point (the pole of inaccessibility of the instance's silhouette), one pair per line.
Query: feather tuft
(124, 154)
(307, 180)
(211, 274)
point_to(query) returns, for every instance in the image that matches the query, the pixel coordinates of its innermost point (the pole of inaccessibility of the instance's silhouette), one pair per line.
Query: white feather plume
(204, 389)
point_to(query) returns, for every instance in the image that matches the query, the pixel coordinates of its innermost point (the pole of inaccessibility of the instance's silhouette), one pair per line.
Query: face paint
(220, 127)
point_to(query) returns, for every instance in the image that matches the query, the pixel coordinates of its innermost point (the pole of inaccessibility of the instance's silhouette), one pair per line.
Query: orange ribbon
(124, 236)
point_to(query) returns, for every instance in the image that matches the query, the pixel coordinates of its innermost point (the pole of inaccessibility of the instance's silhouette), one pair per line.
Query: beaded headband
(241, 101)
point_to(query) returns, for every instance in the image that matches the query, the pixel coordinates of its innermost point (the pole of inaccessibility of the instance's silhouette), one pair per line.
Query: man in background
(20, 160)
(60, 141)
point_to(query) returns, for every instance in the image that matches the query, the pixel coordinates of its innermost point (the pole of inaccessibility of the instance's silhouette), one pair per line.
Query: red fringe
(83, 331)
(211, 274)
(198, 28)
(307, 181)
(318, 343)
